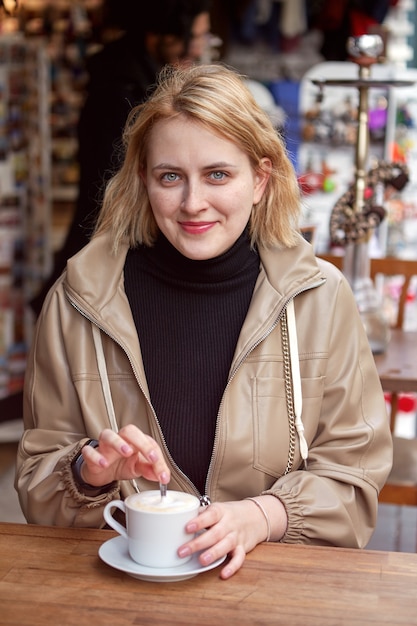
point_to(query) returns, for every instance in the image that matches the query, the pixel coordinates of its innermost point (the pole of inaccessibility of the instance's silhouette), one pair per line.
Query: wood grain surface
(55, 576)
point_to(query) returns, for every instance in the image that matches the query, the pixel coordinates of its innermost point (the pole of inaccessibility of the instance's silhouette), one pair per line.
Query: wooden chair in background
(401, 486)
(388, 267)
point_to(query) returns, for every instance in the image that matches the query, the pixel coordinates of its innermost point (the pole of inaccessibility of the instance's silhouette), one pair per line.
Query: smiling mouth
(196, 227)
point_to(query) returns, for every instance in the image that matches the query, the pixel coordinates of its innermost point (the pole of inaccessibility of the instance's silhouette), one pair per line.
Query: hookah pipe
(364, 51)
(357, 212)
(350, 226)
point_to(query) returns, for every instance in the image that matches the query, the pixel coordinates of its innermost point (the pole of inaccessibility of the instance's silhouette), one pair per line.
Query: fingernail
(164, 478)
(126, 449)
(191, 528)
(206, 559)
(184, 551)
(152, 456)
(227, 572)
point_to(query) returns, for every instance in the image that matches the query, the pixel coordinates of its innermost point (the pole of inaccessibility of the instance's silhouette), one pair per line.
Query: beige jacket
(333, 500)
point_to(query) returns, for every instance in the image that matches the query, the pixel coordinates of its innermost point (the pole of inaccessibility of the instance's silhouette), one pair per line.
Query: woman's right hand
(128, 454)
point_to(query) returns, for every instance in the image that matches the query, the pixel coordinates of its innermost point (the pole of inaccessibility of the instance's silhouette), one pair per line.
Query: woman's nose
(193, 199)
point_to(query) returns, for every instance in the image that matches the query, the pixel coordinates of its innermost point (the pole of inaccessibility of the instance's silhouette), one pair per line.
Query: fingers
(235, 563)
(127, 440)
(147, 448)
(217, 549)
(224, 534)
(131, 453)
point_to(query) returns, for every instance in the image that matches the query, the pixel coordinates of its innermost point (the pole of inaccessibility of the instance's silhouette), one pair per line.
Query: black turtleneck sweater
(188, 316)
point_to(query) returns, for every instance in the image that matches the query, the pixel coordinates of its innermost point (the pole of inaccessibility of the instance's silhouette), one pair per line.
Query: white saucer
(115, 553)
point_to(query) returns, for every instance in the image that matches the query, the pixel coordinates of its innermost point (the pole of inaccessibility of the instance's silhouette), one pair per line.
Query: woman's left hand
(234, 528)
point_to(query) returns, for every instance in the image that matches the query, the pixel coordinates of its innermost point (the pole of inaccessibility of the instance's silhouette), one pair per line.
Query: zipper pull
(205, 501)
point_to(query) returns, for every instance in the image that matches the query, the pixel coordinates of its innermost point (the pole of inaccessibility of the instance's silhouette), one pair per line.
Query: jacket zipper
(203, 499)
(238, 365)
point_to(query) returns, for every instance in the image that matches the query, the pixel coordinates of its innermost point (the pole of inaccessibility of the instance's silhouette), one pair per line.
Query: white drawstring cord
(296, 378)
(105, 385)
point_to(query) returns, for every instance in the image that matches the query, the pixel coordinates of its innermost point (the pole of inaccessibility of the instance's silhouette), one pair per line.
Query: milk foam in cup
(155, 526)
(174, 501)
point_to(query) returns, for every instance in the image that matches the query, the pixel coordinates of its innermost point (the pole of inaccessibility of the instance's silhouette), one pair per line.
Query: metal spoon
(163, 490)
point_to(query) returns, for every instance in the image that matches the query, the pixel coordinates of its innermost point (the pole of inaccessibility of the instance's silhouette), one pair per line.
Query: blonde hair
(217, 98)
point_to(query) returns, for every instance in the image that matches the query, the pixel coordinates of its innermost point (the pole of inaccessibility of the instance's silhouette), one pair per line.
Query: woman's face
(201, 187)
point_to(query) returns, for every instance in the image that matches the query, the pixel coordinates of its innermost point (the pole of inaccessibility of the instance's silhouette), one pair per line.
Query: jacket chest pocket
(271, 432)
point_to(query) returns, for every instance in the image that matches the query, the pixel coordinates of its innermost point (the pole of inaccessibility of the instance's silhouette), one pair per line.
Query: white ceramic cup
(155, 526)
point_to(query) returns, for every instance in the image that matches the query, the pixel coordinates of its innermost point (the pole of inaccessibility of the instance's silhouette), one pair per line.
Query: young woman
(197, 341)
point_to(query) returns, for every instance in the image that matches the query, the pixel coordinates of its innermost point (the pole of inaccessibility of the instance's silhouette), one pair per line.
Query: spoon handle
(163, 490)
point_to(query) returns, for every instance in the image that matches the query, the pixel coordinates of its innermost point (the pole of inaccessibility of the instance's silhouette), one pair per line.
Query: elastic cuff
(86, 488)
(77, 493)
(295, 523)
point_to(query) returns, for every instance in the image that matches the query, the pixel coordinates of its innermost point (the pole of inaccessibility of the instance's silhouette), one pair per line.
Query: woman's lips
(196, 228)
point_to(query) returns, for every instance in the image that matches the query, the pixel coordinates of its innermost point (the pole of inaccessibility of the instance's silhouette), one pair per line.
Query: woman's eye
(170, 177)
(218, 175)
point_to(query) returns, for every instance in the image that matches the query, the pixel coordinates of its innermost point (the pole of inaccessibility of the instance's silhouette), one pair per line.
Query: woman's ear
(262, 174)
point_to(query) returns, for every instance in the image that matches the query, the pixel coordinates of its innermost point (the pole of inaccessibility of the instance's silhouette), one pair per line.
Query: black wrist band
(76, 464)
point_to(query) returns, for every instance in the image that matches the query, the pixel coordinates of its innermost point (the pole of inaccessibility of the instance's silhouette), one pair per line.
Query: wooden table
(397, 366)
(54, 576)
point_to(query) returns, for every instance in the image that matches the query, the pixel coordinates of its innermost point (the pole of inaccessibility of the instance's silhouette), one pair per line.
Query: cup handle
(107, 514)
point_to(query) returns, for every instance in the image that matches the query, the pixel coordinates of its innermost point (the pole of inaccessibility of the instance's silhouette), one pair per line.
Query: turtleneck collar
(166, 258)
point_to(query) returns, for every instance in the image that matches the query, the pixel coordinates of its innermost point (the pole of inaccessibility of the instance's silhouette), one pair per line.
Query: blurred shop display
(25, 216)
(360, 210)
(42, 49)
(326, 157)
(71, 29)
(379, 166)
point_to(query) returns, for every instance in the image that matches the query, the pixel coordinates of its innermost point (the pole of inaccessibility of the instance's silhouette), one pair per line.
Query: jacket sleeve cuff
(93, 497)
(295, 524)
